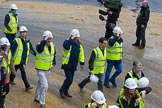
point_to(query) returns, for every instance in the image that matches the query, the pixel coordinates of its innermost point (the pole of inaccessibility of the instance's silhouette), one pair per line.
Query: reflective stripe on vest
(19, 50)
(13, 24)
(66, 55)
(99, 62)
(131, 75)
(89, 105)
(121, 97)
(115, 52)
(44, 60)
(6, 62)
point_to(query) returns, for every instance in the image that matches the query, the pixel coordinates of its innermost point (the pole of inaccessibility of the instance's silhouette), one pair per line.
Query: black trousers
(87, 80)
(68, 81)
(140, 35)
(23, 75)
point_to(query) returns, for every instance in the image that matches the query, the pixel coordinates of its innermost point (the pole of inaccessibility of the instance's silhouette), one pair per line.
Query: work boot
(68, 95)
(42, 106)
(134, 44)
(107, 86)
(141, 47)
(35, 100)
(82, 90)
(29, 88)
(62, 94)
(113, 83)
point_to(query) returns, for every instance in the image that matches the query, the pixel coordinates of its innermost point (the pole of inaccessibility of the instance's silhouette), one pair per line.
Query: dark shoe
(134, 44)
(68, 95)
(62, 94)
(107, 86)
(42, 106)
(12, 83)
(82, 90)
(141, 47)
(113, 83)
(29, 88)
(35, 100)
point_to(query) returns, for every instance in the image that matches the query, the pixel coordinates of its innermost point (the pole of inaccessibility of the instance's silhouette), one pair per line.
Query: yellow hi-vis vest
(66, 55)
(6, 62)
(121, 97)
(44, 60)
(131, 75)
(19, 50)
(99, 62)
(13, 24)
(115, 52)
(89, 105)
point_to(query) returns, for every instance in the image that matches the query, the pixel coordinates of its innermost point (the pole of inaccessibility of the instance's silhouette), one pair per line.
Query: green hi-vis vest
(89, 105)
(13, 24)
(115, 52)
(131, 75)
(19, 50)
(66, 55)
(44, 60)
(99, 62)
(6, 62)
(121, 97)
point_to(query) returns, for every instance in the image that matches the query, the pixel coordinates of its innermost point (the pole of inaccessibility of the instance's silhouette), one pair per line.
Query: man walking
(96, 64)
(44, 63)
(20, 51)
(11, 23)
(114, 56)
(141, 22)
(72, 54)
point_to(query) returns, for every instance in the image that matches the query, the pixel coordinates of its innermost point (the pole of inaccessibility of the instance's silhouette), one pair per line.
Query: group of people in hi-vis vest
(14, 53)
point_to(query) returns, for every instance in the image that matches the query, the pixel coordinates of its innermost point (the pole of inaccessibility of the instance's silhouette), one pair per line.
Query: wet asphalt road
(155, 5)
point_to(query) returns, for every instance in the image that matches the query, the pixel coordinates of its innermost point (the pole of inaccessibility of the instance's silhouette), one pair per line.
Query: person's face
(144, 4)
(48, 41)
(76, 39)
(137, 69)
(23, 34)
(14, 10)
(131, 91)
(103, 45)
(99, 105)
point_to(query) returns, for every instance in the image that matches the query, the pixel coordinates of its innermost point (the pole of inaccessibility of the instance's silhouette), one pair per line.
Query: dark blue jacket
(24, 53)
(73, 60)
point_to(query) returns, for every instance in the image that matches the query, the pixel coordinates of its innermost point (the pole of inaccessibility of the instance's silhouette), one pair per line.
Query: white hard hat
(130, 83)
(13, 6)
(98, 97)
(48, 33)
(113, 106)
(4, 41)
(23, 29)
(75, 32)
(94, 78)
(143, 82)
(117, 30)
